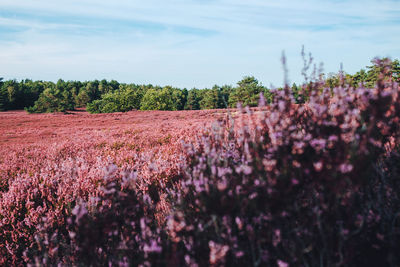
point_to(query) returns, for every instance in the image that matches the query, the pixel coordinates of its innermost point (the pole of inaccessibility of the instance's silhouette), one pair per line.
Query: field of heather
(285, 184)
(72, 151)
(31, 144)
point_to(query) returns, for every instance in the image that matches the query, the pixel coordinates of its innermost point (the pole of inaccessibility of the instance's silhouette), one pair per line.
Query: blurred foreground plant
(314, 184)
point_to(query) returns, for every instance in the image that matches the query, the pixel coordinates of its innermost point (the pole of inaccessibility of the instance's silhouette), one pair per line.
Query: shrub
(122, 100)
(167, 98)
(116, 228)
(247, 92)
(52, 100)
(312, 184)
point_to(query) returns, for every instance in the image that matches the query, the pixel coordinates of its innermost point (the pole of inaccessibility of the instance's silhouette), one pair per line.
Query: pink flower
(282, 263)
(277, 237)
(222, 185)
(239, 254)
(217, 252)
(153, 247)
(345, 168)
(318, 166)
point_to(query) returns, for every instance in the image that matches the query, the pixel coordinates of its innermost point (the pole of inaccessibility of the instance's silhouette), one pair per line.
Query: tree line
(111, 96)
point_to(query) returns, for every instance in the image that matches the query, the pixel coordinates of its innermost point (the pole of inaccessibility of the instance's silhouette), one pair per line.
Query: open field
(27, 141)
(44, 144)
(19, 127)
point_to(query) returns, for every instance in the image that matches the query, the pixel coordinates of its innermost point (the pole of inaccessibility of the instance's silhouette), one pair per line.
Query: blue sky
(192, 43)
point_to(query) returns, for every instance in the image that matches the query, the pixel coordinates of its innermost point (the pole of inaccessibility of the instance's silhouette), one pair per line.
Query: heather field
(81, 145)
(291, 183)
(70, 154)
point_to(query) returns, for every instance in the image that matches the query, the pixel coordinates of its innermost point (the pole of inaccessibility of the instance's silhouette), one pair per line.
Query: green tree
(3, 96)
(106, 87)
(167, 98)
(30, 92)
(192, 102)
(49, 101)
(176, 96)
(92, 89)
(247, 93)
(183, 99)
(55, 98)
(82, 99)
(113, 85)
(369, 77)
(12, 92)
(224, 93)
(95, 106)
(210, 99)
(132, 97)
(359, 78)
(152, 100)
(128, 97)
(375, 70)
(67, 101)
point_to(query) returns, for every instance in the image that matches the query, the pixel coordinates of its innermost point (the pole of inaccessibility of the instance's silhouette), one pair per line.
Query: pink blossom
(318, 166)
(217, 252)
(345, 168)
(282, 263)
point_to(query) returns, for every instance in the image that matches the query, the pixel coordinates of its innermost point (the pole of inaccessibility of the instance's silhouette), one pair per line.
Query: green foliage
(297, 93)
(367, 77)
(49, 101)
(210, 99)
(224, 93)
(104, 87)
(17, 95)
(3, 96)
(82, 99)
(125, 99)
(214, 98)
(182, 99)
(152, 100)
(248, 92)
(360, 77)
(53, 99)
(375, 71)
(167, 98)
(192, 102)
(92, 89)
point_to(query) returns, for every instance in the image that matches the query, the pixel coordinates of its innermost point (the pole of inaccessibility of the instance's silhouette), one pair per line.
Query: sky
(192, 43)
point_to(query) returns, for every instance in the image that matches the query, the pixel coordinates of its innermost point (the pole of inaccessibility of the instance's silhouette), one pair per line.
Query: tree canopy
(111, 96)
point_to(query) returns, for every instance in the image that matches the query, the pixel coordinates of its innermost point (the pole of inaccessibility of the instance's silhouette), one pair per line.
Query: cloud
(190, 43)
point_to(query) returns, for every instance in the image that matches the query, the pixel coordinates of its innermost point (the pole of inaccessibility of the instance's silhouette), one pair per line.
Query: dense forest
(111, 96)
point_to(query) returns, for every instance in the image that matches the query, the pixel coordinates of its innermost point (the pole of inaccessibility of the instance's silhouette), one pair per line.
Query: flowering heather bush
(313, 184)
(116, 228)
